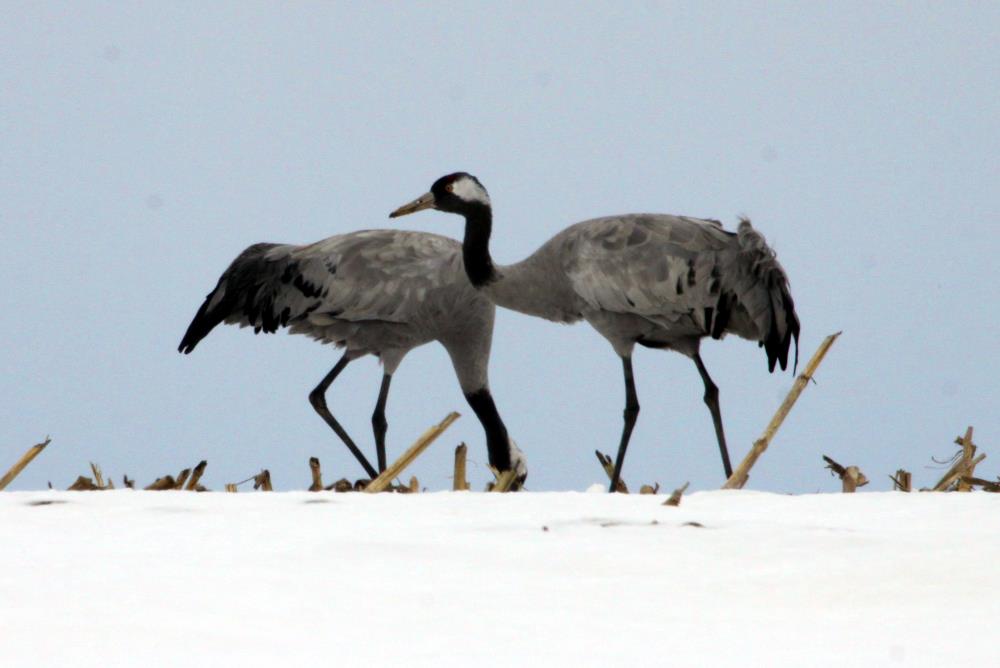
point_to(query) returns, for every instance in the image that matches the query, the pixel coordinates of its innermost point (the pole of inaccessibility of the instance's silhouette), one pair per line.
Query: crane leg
(497, 441)
(318, 400)
(379, 424)
(630, 414)
(712, 401)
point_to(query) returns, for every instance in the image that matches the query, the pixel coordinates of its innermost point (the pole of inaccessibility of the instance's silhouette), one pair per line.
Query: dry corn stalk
(386, 477)
(968, 451)
(82, 484)
(182, 478)
(459, 483)
(851, 476)
(742, 472)
(317, 475)
(675, 497)
(964, 467)
(199, 470)
(342, 485)
(25, 459)
(987, 485)
(902, 481)
(504, 480)
(166, 482)
(98, 477)
(609, 467)
(262, 481)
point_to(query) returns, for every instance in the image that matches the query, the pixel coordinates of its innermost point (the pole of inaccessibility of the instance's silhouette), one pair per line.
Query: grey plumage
(380, 292)
(658, 280)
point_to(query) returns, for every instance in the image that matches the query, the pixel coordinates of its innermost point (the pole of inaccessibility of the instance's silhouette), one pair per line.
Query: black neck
(476, 247)
(497, 442)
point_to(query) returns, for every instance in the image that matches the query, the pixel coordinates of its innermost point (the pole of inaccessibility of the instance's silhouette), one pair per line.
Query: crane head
(454, 193)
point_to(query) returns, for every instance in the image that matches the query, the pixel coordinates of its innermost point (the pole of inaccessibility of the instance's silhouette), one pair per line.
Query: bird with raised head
(658, 280)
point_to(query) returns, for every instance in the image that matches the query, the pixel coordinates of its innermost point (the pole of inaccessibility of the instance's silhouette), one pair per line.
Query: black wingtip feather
(793, 327)
(762, 268)
(240, 293)
(203, 323)
(777, 344)
(778, 347)
(792, 334)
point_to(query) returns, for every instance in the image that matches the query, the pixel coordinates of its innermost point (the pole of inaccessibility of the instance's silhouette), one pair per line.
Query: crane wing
(686, 274)
(370, 275)
(665, 268)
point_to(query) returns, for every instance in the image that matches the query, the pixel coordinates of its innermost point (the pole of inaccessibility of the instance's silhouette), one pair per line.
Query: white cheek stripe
(470, 191)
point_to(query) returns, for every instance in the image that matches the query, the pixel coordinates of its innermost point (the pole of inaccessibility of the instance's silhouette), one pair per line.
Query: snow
(560, 578)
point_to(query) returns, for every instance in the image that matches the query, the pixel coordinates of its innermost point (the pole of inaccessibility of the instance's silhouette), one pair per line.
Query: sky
(144, 145)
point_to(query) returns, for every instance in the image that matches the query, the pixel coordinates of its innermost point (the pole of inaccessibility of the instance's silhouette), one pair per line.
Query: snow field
(561, 578)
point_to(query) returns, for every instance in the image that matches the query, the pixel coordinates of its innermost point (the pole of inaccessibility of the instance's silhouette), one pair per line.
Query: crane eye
(450, 187)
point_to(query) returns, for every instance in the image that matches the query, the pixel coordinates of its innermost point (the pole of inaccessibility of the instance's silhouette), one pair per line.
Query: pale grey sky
(145, 145)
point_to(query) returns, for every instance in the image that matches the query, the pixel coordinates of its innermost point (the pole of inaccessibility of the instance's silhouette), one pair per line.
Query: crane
(379, 292)
(657, 280)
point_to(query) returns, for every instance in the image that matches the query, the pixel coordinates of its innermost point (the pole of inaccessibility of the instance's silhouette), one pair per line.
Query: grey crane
(658, 280)
(382, 292)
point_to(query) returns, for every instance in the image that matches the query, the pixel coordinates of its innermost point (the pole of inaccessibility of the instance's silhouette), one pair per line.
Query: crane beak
(425, 201)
